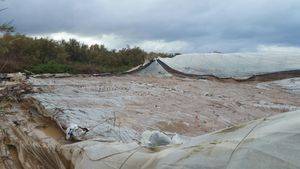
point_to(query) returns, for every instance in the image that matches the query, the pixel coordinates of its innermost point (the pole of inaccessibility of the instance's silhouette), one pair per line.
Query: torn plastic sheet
(98, 126)
(96, 122)
(271, 143)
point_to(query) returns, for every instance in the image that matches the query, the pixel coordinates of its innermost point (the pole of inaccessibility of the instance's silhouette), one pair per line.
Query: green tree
(19, 52)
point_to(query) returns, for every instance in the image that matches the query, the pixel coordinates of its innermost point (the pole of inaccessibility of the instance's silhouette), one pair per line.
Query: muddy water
(48, 129)
(43, 126)
(51, 131)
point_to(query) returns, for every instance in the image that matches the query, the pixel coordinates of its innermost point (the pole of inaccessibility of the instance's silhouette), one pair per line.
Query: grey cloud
(227, 25)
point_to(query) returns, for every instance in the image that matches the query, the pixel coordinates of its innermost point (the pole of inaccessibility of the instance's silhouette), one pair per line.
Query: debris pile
(13, 86)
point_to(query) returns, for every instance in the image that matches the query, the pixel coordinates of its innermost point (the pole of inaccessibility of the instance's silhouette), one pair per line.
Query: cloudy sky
(162, 25)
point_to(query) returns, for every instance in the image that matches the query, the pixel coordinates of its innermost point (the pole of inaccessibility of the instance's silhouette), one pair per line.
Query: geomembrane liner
(234, 65)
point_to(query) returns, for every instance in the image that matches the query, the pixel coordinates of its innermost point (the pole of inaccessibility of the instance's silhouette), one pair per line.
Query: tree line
(42, 55)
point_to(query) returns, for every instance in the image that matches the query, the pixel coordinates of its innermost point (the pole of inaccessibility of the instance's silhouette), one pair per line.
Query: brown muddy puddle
(45, 126)
(51, 131)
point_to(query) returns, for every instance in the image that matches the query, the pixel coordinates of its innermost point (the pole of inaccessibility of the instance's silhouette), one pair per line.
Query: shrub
(51, 67)
(40, 55)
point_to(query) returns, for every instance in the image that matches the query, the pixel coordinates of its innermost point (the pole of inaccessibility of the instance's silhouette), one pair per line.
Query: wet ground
(186, 106)
(123, 107)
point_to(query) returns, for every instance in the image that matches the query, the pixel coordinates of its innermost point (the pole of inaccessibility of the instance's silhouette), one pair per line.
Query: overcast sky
(162, 25)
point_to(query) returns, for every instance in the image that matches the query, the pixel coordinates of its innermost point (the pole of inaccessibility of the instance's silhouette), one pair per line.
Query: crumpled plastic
(157, 138)
(270, 143)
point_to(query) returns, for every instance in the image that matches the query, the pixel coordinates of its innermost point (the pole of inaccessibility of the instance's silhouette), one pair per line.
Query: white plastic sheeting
(291, 85)
(69, 106)
(154, 69)
(123, 107)
(154, 139)
(137, 68)
(271, 143)
(235, 65)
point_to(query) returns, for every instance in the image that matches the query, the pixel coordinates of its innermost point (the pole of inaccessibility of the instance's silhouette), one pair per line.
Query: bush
(40, 55)
(51, 67)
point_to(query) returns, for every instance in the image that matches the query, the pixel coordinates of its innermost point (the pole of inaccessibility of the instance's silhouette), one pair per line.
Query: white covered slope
(154, 69)
(235, 65)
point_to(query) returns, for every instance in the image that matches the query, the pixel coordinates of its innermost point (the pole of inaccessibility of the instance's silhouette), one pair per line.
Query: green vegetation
(51, 67)
(39, 55)
(6, 28)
